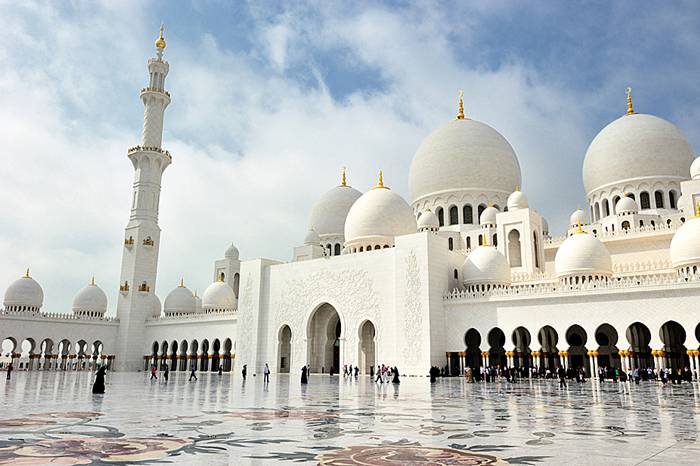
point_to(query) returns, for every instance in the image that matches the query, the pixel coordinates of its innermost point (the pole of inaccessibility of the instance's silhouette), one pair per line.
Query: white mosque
(464, 273)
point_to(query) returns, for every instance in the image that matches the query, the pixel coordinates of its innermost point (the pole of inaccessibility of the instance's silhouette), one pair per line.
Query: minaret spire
(343, 180)
(630, 107)
(460, 107)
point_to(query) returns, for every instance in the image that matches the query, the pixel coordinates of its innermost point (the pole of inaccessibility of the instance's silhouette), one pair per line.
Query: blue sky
(271, 99)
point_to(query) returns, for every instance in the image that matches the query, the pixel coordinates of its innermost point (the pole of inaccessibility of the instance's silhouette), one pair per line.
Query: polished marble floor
(53, 418)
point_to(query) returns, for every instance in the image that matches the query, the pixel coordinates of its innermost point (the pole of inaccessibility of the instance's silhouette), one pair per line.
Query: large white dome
(636, 146)
(463, 155)
(685, 245)
(179, 301)
(485, 266)
(218, 296)
(379, 212)
(582, 254)
(24, 294)
(91, 299)
(330, 211)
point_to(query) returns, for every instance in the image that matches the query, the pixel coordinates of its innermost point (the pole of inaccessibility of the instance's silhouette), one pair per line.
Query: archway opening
(228, 346)
(608, 356)
(367, 347)
(215, 359)
(472, 340)
(285, 349)
(324, 332)
(673, 335)
(639, 336)
(521, 341)
(183, 356)
(204, 361)
(497, 353)
(576, 338)
(194, 352)
(549, 354)
(173, 356)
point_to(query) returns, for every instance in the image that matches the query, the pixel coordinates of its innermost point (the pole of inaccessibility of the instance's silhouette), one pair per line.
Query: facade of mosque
(465, 274)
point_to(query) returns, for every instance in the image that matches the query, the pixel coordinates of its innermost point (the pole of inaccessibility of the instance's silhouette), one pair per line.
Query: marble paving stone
(53, 418)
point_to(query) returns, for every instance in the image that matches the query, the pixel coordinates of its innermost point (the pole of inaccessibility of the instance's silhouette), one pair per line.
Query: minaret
(142, 235)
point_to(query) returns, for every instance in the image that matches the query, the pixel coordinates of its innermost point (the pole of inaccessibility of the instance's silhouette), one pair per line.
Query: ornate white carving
(413, 306)
(245, 344)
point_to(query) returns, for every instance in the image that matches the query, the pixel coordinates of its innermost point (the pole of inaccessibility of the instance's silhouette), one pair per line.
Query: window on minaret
(537, 249)
(672, 199)
(644, 200)
(337, 249)
(514, 254)
(454, 215)
(450, 244)
(659, 199)
(606, 208)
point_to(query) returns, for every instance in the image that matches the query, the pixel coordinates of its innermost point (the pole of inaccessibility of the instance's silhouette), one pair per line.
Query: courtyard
(53, 418)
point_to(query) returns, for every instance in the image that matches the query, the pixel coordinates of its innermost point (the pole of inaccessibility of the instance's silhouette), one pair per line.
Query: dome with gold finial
(179, 301)
(461, 156)
(91, 301)
(160, 41)
(218, 296)
(582, 255)
(636, 147)
(328, 215)
(485, 265)
(377, 217)
(24, 294)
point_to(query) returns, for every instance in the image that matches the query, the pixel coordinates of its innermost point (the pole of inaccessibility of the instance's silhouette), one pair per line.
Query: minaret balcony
(124, 289)
(155, 89)
(158, 150)
(144, 288)
(129, 242)
(148, 242)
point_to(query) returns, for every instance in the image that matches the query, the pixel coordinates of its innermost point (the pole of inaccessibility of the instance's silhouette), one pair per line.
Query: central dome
(636, 146)
(463, 155)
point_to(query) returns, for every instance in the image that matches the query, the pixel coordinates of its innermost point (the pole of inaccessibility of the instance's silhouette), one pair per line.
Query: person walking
(379, 375)
(304, 378)
(395, 371)
(266, 374)
(99, 386)
(221, 370)
(166, 372)
(10, 368)
(154, 372)
(244, 372)
(193, 374)
(562, 377)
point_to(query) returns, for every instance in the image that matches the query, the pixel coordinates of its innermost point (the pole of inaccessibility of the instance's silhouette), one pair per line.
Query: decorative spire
(182, 283)
(579, 229)
(343, 180)
(460, 111)
(221, 277)
(486, 240)
(195, 294)
(517, 188)
(92, 281)
(160, 41)
(26, 274)
(630, 108)
(380, 185)
(697, 209)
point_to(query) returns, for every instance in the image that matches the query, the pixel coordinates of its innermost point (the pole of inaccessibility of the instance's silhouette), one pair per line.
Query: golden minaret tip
(92, 281)
(343, 180)
(697, 209)
(26, 274)
(380, 185)
(580, 228)
(460, 111)
(160, 41)
(182, 283)
(630, 107)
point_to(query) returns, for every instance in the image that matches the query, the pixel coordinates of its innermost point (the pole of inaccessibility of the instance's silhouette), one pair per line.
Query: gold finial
(460, 112)
(380, 185)
(579, 229)
(26, 274)
(630, 108)
(486, 240)
(517, 188)
(221, 277)
(195, 294)
(182, 283)
(343, 180)
(92, 281)
(160, 41)
(697, 209)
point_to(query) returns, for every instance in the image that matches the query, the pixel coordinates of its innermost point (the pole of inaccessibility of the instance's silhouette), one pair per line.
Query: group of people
(385, 374)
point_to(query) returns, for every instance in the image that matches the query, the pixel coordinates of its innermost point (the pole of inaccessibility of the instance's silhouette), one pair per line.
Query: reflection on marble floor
(53, 418)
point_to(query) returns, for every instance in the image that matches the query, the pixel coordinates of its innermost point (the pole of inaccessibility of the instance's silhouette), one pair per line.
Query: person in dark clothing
(99, 386)
(221, 370)
(154, 371)
(166, 372)
(379, 375)
(304, 378)
(434, 373)
(371, 371)
(395, 371)
(10, 368)
(244, 372)
(193, 374)
(562, 377)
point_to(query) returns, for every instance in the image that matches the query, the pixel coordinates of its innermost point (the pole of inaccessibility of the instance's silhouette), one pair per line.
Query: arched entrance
(576, 338)
(497, 353)
(472, 341)
(367, 347)
(324, 332)
(673, 335)
(639, 336)
(521, 341)
(606, 337)
(285, 349)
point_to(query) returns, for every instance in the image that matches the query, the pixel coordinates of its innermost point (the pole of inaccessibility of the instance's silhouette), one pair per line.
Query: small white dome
(379, 212)
(220, 296)
(633, 147)
(685, 245)
(428, 221)
(232, 253)
(24, 293)
(578, 216)
(582, 254)
(488, 216)
(179, 301)
(695, 169)
(90, 299)
(312, 238)
(330, 211)
(485, 266)
(463, 155)
(156, 306)
(626, 205)
(517, 200)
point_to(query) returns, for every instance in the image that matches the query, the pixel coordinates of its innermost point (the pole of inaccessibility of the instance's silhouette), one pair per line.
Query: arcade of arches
(548, 350)
(204, 355)
(47, 354)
